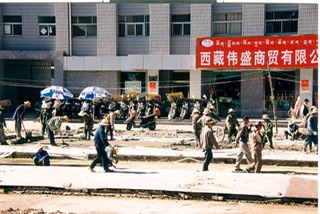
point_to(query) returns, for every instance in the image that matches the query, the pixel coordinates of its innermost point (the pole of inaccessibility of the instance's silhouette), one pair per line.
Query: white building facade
(123, 47)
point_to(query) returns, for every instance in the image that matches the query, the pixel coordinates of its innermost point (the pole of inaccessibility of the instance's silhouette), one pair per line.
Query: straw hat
(81, 113)
(206, 111)
(212, 107)
(27, 104)
(312, 107)
(290, 122)
(65, 119)
(104, 122)
(210, 120)
(265, 116)
(40, 146)
(230, 110)
(117, 112)
(315, 111)
(195, 111)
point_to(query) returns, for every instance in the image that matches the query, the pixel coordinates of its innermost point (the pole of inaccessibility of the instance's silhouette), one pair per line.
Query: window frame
(82, 25)
(282, 21)
(126, 24)
(183, 25)
(12, 25)
(48, 25)
(227, 23)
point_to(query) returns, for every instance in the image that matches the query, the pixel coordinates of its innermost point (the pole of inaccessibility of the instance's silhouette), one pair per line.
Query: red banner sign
(257, 52)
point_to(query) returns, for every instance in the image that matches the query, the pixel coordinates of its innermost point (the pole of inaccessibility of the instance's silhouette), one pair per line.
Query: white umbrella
(56, 92)
(92, 92)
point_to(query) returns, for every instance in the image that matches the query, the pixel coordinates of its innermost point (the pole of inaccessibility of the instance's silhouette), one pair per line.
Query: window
(282, 22)
(84, 26)
(133, 25)
(180, 25)
(226, 24)
(12, 25)
(47, 25)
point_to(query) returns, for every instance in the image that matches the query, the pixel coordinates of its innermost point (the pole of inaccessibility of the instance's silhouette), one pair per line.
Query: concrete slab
(225, 184)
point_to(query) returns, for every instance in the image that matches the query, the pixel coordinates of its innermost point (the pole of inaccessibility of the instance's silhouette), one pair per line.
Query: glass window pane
(138, 18)
(74, 19)
(121, 18)
(129, 18)
(122, 30)
(235, 28)
(94, 19)
(147, 31)
(186, 29)
(234, 16)
(85, 19)
(91, 30)
(273, 27)
(139, 30)
(52, 30)
(7, 29)
(147, 18)
(219, 28)
(290, 26)
(12, 18)
(43, 30)
(269, 15)
(78, 30)
(46, 19)
(219, 17)
(176, 29)
(130, 30)
(17, 29)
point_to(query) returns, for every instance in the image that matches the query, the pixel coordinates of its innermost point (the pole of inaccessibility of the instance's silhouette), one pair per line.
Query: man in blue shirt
(312, 132)
(19, 115)
(42, 157)
(101, 143)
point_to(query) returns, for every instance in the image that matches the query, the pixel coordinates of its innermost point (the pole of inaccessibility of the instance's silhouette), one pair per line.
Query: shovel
(28, 133)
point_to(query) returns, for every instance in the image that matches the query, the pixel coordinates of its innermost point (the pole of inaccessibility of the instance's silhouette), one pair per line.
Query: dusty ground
(179, 136)
(36, 204)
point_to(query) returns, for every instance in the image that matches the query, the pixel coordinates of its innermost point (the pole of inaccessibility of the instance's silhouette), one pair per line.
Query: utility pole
(272, 99)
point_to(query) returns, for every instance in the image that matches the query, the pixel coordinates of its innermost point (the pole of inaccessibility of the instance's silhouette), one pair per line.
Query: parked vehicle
(146, 122)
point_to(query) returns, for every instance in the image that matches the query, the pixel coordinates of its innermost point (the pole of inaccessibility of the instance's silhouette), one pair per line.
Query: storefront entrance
(24, 80)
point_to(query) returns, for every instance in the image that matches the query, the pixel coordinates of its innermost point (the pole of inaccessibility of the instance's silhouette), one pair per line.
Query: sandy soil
(98, 204)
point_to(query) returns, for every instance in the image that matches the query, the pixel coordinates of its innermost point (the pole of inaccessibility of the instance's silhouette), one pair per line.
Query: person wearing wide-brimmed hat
(268, 131)
(45, 116)
(195, 128)
(42, 157)
(293, 130)
(18, 116)
(100, 142)
(3, 125)
(213, 114)
(111, 118)
(202, 120)
(231, 124)
(256, 142)
(312, 132)
(54, 125)
(88, 124)
(207, 142)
